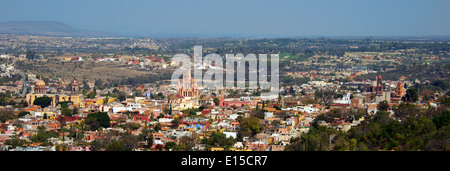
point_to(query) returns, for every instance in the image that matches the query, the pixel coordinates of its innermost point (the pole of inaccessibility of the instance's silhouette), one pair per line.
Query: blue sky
(241, 17)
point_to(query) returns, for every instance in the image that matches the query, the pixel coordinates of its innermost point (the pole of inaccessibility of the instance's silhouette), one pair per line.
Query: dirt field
(87, 70)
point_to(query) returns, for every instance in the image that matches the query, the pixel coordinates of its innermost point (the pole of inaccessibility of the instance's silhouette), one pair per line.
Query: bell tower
(75, 87)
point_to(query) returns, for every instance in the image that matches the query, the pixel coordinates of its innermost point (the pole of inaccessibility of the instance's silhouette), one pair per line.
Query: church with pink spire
(189, 87)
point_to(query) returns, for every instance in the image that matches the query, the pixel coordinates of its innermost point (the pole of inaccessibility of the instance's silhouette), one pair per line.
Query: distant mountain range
(47, 28)
(52, 28)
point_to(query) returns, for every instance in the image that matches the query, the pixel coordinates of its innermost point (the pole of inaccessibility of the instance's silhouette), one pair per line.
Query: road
(24, 82)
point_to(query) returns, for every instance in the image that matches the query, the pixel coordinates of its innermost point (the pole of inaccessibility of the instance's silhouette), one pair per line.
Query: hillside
(46, 28)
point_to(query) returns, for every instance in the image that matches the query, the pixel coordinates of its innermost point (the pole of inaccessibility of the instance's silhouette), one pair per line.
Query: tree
(130, 141)
(442, 120)
(383, 105)
(43, 101)
(216, 101)
(84, 92)
(121, 96)
(175, 122)
(6, 114)
(218, 139)
(62, 120)
(189, 112)
(439, 141)
(30, 55)
(157, 127)
(335, 113)
(92, 124)
(406, 109)
(23, 113)
(186, 143)
(170, 145)
(66, 112)
(147, 137)
(43, 135)
(97, 120)
(411, 95)
(382, 117)
(65, 104)
(325, 96)
(91, 95)
(15, 142)
(252, 124)
(116, 145)
(75, 110)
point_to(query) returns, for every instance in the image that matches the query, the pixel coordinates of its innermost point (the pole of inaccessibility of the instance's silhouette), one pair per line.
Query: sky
(282, 18)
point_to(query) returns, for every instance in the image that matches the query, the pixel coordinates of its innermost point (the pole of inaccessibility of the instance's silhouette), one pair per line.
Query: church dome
(40, 82)
(173, 97)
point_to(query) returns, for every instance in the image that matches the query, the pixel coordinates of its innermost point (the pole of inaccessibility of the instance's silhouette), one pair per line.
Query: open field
(87, 70)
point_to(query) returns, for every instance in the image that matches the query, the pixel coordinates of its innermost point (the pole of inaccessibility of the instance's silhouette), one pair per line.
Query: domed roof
(40, 82)
(173, 97)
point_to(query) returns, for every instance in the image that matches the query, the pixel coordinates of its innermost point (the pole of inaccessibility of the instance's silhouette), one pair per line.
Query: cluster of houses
(183, 111)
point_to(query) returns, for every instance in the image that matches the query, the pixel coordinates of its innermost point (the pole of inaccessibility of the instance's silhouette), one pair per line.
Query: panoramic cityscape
(66, 89)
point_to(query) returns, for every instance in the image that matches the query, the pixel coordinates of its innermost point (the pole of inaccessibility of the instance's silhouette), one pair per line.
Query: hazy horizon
(200, 18)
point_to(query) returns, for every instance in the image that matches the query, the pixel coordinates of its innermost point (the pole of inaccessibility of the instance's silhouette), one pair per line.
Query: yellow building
(31, 97)
(40, 91)
(217, 149)
(98, 101)
(66, 59)
(55, 99)
(51, 115)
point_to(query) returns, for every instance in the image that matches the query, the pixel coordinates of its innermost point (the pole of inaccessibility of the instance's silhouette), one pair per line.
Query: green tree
(7, 114)
(91, 95)
(439, 140)
(406, 109)
(216, 101)
(66, 112)
(121, 96)
(42, 135)
(23, 113)
(382, 117)
(411, 95)
(186, 143)
(170, 145)
(383, 105)
(252, 123)
(130, 141)
(157, 127)
(116, 145)
(75, 110)
(218, 139)
(175, 122)
(15, 142)
(147, 137)
(325, 96)
(84, 92)
(442, 120)
(97, 120)
(65, 104)
(189, 112)
(31, 55)
(43, 101)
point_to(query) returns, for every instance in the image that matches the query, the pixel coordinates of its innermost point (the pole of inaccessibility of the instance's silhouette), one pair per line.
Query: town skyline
(195, 77)
(117, 94)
